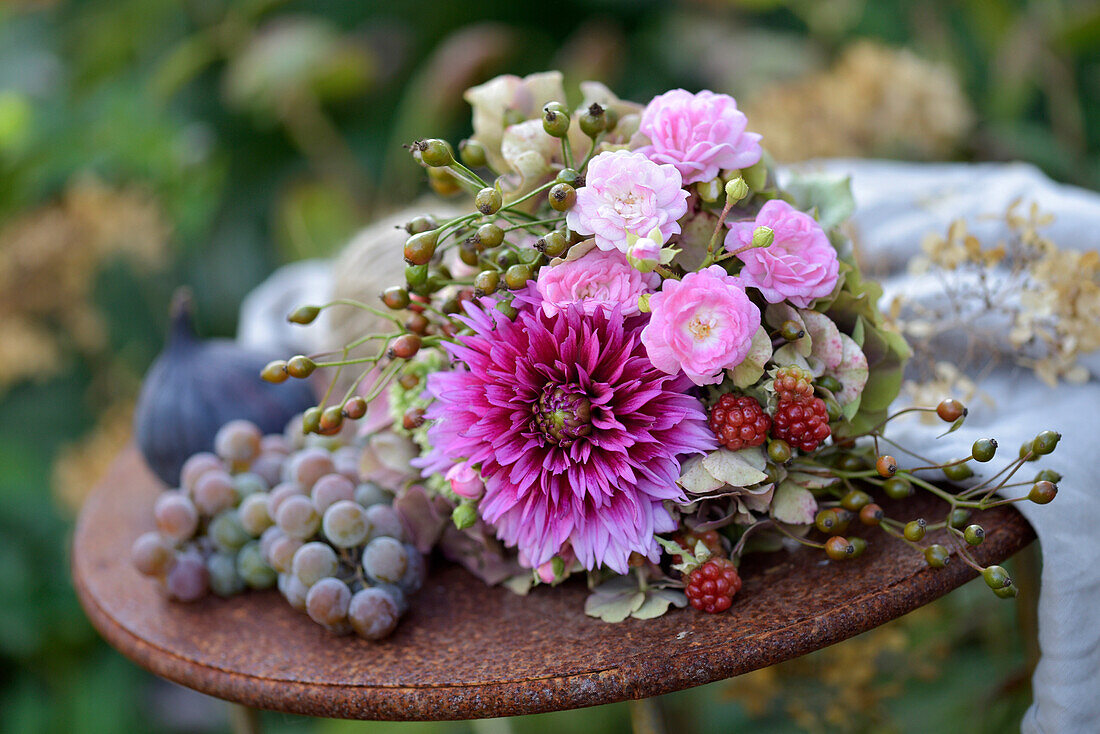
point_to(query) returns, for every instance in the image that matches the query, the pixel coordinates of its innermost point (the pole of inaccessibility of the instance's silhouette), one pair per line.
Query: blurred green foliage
(266, 131)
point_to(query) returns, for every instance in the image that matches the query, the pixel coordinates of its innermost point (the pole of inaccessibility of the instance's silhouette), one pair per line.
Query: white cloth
(896, 205)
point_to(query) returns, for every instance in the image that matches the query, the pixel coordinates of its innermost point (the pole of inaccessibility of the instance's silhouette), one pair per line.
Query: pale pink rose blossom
(800, 265)
(465, 481)
(626, 193)
(700, 134)
(597, 280)
(702, 325)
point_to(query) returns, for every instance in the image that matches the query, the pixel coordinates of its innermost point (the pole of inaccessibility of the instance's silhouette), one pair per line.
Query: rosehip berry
(802, 424)
(886, 466)
(855, 500)
(974, 534)
(1042, 492)
(712, 586)
(915, 530)
(738, 421)
(838, 548)
(897, 488)
(984, 449)
(937, 556)
(950, 410)
(870, 514)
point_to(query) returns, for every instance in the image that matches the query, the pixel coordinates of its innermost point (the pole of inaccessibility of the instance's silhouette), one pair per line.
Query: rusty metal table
(466, 650)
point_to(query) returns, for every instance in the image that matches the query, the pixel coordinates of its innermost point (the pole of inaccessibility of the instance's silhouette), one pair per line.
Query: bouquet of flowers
(635, 357)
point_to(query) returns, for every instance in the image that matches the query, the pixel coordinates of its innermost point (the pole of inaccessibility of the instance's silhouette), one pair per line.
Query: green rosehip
(984, 449)
(936, 556)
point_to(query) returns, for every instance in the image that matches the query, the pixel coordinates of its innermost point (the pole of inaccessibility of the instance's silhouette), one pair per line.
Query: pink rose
(702, 325)
(596, 280)
(800, 264)
(626, 193)
(645, 255)
(700, 134)
(465, 481)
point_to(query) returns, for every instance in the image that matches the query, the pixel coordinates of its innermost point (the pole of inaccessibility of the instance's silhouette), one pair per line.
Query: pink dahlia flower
(626, 193)
(596, 280)
(702, 325)
(700, 134)
(576, 434)
(800, 264)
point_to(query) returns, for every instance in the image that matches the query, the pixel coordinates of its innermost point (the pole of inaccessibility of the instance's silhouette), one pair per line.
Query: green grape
(195, 467)
(297, 517)
(187, 579)
(368, 494)
(385, 560)
(384, 521)
(248, 483)
(151, 554)
(329, 489)
(415, 573)
(327, 602)
(253, 568)
(309, 465)
(224, 579)
(372, 613)
(227, 533)
(214, 492)
(253, 514)
(314, 561)
(345, 524)
(293, 590)
(281, 553)
(280, 493)
(238, 441)
(176, 516)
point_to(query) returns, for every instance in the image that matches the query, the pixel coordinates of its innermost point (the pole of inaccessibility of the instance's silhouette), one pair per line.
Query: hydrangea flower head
(624, 194)
(700, 134)
(576, 434)
(702, 325)
(800, 264)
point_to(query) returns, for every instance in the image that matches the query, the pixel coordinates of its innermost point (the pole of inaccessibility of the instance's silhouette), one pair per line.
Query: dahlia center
(563, 415)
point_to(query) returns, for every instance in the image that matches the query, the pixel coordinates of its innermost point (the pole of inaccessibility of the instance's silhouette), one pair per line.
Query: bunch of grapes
(285, 511)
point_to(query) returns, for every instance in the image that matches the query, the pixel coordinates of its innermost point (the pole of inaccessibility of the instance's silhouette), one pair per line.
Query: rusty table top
(466, 650)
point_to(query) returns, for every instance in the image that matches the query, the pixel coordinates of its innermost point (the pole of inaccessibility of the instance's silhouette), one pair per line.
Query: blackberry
(794, 383)
(802, 424)
(738, 421)
(711, 587)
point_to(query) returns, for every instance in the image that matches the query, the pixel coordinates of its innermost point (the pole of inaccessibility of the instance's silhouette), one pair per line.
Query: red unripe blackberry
(710, 539)
(711, 587)
(803, 425)
(738, 421)
(794, 383)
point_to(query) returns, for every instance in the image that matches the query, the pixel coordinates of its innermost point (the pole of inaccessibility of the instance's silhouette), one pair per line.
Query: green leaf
(793, 504)
(831, 196)
(751, 369)
(954, 426)
(736, 468)
(614, 600)
(657, 602)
